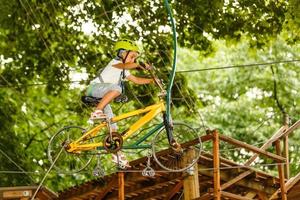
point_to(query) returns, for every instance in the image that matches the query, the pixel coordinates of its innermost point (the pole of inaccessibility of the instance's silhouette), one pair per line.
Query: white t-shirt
(111, 74)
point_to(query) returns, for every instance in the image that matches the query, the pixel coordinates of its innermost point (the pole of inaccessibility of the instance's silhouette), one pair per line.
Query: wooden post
(286, 147)
(191, 181)
(121, 185)
(281, 173)
(286, 155)
(217, 187)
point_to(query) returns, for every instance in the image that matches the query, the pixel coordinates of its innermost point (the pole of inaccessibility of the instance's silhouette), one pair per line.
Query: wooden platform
(217, 177)
(25, 193)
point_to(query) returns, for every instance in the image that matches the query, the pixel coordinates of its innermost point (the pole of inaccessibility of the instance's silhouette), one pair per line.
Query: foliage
(248, 102)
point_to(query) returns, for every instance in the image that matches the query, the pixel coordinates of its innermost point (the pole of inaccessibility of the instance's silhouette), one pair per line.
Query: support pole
(217, 187)
(286, 155)
(191, 181)
(121, 185)
(281, 173)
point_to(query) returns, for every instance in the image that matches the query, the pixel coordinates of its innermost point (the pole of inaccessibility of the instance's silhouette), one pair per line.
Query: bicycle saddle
(90, 100)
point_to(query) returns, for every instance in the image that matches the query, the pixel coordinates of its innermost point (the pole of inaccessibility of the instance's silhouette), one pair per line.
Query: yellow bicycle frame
(151, 112)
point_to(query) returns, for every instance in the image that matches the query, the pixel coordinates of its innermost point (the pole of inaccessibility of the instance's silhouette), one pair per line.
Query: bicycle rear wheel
(172, 159)
(67, 162)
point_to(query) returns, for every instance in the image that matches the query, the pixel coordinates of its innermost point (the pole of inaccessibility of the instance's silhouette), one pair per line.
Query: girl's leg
(108, 111)
(107, 98)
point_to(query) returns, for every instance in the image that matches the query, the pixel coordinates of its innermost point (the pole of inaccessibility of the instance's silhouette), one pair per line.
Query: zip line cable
(18, 166)
(238, 66)
(181, 71)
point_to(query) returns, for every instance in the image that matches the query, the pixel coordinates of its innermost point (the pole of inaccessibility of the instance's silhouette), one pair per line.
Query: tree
(43, 43)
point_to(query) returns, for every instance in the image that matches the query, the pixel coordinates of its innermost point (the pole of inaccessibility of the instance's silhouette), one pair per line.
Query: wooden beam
(175, 190)
(250, 194)
(252, 148)
(191, 181)
(281, 173)
(251, 184)
(121, 185)
(292, 128)
(288, 185)
(234, 196)
(275, 137)
(107, 189)
(262, 196)
(292, 181)
(236, 179)
(268, 143)
(286, 155)
(206, 196)
(216, 160)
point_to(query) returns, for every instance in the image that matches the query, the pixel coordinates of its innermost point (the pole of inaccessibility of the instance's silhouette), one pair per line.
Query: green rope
(172, 75)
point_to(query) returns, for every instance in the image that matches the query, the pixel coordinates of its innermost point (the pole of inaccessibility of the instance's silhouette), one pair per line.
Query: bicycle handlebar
(154, 77)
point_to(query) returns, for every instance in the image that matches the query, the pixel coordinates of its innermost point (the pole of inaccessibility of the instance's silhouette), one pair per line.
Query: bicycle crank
(113, 142)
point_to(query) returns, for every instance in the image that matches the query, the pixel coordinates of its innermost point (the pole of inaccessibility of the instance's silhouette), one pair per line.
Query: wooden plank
(281, 173)
(250, 194)
(252, 148)
(236, 179)
(107, 189)
(262, 196)
(216, 160)
(121, 185)
(191, 181)
(17, 193)
(234, 196)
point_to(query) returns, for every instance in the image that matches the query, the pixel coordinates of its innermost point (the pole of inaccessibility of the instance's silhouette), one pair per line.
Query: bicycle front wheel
(175, 160)
(63, 161)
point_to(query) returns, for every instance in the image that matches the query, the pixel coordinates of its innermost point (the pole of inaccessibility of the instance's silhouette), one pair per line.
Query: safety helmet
(126, 44)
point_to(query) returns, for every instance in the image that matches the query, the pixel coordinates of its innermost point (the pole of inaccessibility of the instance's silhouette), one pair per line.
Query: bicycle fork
(169, 129)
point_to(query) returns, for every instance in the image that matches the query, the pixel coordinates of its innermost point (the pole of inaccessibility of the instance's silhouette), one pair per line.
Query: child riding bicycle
(108, 85)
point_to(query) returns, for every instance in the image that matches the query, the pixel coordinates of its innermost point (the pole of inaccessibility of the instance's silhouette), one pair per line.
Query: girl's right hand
(145, 66)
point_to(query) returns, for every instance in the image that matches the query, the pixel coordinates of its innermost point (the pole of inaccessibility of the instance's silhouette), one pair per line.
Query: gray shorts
(99, 90)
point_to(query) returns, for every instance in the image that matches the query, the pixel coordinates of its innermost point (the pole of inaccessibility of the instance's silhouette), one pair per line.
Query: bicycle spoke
(68, 162)
(176, 161)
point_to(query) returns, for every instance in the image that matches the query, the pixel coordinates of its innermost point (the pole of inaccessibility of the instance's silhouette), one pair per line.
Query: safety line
(133, 171)
(42, 181)
(237, 66)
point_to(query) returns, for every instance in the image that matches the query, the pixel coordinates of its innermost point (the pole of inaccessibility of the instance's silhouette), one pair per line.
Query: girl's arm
(139, 80)
(126, 65)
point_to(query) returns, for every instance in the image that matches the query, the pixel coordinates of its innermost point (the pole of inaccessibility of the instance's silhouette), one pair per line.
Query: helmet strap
(127, 53)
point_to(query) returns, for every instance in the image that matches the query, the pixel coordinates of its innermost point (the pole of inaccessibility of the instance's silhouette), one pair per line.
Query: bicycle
(74, 141)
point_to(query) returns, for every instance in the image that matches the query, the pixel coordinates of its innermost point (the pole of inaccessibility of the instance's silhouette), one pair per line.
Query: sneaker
(98, 114)
(120, 159)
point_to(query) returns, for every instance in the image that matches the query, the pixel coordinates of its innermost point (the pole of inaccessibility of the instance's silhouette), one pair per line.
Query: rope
(42, 181)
